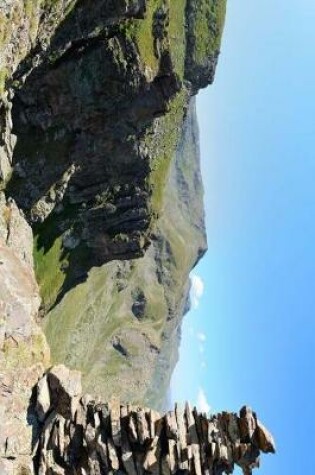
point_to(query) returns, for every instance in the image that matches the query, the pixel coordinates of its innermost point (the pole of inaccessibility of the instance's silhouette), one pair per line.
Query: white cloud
(202, 402)
(203, 365)
(201, 337)
(197, 289)
(201, 349)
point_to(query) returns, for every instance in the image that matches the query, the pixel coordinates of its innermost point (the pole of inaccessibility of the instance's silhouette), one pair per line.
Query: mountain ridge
(100, 175)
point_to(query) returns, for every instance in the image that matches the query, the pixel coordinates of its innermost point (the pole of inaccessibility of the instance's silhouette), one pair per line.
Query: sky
(250, 336)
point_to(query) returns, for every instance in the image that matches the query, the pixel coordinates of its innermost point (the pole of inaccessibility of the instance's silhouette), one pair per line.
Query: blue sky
(253, 331)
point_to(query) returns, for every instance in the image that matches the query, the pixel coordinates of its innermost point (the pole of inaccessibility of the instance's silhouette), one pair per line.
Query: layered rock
(24, 353)
(84, 436)
(128, 312)
(98, 146)
(97, 99)
(89, 96)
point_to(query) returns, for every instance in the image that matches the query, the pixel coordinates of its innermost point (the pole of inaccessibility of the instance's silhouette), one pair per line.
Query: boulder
(264, 439)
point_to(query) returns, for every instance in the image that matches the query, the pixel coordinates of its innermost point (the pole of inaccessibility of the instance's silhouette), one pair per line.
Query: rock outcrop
(84, 436)
(97, 103)
(100, 177)
(24, 353)
(49, 427)
(98, 148)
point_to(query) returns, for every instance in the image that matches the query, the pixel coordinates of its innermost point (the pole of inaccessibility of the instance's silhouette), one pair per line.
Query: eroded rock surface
(99, 151)
(90, 437)
(24, 353)
(98, 147)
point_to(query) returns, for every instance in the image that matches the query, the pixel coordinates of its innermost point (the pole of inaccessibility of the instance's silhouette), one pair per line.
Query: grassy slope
(52, 281)
(163, 146)
(142, 33)
(182, 226)
(80, 329)
(210, 17)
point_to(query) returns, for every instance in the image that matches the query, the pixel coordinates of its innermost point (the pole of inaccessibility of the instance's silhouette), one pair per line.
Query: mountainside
(127, 312)
(100, 151)
(100, 175)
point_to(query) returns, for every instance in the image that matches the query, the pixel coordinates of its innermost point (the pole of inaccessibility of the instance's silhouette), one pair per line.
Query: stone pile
(79, 435)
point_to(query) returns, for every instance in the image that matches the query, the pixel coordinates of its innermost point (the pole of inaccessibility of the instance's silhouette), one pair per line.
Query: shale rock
(24, 353)
(128, 439)
(15, 233)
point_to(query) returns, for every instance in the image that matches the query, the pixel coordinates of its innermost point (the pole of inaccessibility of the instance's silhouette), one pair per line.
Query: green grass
(48, 270)
(5, 29)
(19, 356)
(4, 73)
(29, 6)
(32, 12)
(51, 261)
(177, 34)
(209, 23)
(170, 125)
(140, 30)
(207, 28)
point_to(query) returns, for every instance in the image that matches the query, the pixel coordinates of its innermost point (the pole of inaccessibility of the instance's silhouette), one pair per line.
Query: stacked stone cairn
(79, 435)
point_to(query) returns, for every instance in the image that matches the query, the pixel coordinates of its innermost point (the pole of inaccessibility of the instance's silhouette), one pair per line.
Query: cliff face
(99, 148)
(24, 353)
(101, 222)
(99, 173)
(88, 436)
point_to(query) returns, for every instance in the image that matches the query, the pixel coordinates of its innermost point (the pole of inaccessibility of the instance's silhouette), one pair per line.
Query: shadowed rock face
(99, 148)
(88, 436)
(92, 107)
(88, 114)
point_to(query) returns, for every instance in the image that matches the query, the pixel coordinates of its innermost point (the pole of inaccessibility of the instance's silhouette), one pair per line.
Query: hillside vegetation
(99, 148)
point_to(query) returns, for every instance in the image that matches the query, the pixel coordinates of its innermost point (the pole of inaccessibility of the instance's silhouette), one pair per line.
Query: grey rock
(186, 441)
(247, 424)
(264, 439)
(65, 389)
(43, 398)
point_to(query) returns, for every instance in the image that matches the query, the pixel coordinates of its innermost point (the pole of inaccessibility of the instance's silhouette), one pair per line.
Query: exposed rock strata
(83, 436)
(98, 147)
(128, 312)
(24, 353)
(97, 97)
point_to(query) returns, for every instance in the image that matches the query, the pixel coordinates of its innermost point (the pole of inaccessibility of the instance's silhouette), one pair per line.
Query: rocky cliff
(24, 353)
(101, 216)
(87, 436)
(99, 148)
